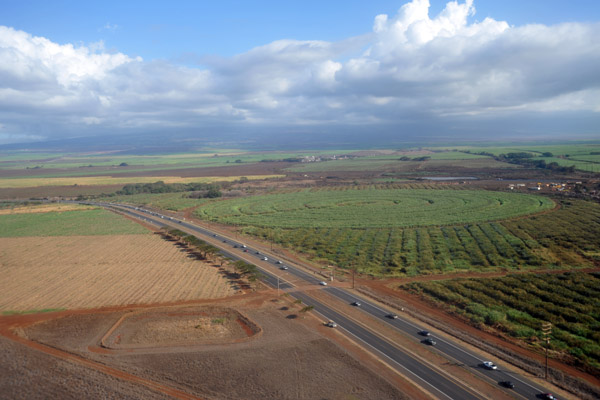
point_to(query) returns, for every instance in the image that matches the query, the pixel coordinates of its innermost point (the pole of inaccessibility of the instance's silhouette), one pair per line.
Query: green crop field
(84, 222)
(568, 237)
(373, 208)
(518, 304)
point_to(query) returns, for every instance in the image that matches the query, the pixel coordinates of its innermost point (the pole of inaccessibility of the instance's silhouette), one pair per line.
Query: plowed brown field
(95, 271)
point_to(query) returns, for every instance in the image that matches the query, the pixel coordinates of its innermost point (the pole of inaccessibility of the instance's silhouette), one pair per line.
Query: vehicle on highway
(489, 365)
(392, 316)
(214, 235)
(235, 246)
(547, 396)
(245, 250)
(507, 384)
(265, 259)
(279, 262)
(356, 304)
(429, 341)
(258, 252)
(243, 246)
(323, 283)
(283, 267)
(331, 324)
(424, 333)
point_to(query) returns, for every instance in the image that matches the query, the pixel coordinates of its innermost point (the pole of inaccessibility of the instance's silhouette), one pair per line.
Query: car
(489, 365)
(356, 304)
(331, 324)
(235, 246)
(392, 316)
(507, 384)
(245, 250)
(283, 267)
(258, 252)
(279, 262)
(323, 283)
(215, 235)
(547, 396)
(243, 246)
(265, 259)
(424, 333)
(224, 241)
(429, 341)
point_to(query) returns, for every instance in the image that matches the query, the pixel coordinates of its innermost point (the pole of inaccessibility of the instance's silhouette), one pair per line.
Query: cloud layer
(413, 72)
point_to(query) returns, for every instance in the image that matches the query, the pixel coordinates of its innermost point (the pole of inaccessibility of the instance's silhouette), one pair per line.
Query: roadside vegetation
(517, 305)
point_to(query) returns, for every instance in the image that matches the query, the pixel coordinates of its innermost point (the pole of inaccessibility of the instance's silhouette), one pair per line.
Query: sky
(389, 69)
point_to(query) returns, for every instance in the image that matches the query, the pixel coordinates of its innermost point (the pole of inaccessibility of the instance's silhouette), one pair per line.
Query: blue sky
(479, 68)
(168, 30)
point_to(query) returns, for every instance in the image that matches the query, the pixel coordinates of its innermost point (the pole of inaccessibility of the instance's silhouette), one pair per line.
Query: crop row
(518, 304)
(373, 207)
(562, 237)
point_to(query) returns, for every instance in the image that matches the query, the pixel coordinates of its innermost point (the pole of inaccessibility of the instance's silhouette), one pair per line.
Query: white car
(323, 283)
(331, 324)
(489, 365)
(265, 259)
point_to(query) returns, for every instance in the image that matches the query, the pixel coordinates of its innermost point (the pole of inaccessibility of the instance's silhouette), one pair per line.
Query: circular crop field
(373, 208)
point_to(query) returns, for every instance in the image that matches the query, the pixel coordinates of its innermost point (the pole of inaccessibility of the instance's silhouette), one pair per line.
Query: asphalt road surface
(440, 385)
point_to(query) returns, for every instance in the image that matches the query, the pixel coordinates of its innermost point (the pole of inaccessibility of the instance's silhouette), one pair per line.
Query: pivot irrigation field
(562, 238)
(518, 304)
(372, 207)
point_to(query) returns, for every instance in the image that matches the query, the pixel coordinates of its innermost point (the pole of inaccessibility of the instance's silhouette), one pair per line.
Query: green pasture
(519, 304)
(372, 208)
(68, 223)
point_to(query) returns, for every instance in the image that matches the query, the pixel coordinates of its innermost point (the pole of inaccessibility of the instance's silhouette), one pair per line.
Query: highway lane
(523, 387)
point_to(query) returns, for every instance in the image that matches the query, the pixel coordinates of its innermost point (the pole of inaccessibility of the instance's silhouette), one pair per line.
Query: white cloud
(415, 66)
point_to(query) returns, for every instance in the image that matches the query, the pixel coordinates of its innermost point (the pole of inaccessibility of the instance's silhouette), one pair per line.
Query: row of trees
(207, 251)
(208, 190)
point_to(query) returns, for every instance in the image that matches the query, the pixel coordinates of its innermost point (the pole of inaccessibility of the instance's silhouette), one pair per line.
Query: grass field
(67, 223)
(372, 207)
(518, 304)
(94, 271)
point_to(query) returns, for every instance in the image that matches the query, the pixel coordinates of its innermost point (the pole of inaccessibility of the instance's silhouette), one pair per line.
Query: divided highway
(438, 384)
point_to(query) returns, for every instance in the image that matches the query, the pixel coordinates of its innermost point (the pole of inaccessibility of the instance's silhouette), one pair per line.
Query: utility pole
(546, 332)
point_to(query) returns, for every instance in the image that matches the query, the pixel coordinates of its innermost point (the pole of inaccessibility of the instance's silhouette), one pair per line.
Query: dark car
(392, 316)
(356, 304)
(424, 333)
(429, 341)
(507, 384)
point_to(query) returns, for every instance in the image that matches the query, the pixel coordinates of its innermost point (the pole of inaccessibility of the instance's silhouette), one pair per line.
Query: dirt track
(295, 361)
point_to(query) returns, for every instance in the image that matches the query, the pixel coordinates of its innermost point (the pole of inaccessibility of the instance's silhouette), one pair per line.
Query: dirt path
(6, 329)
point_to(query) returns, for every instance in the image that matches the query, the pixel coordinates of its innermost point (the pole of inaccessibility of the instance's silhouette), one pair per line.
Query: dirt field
(94, 271)
(289, 359)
